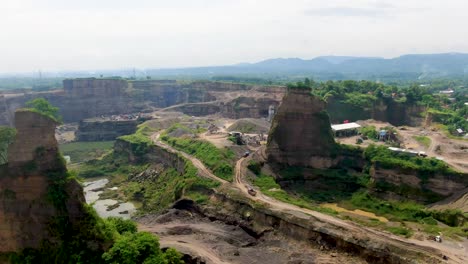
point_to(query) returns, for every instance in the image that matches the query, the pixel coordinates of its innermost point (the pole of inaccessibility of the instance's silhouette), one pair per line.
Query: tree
(42, 106)
(7, 135)
(140, 247)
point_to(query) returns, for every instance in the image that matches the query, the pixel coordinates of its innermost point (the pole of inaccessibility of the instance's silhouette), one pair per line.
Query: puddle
(92, 189)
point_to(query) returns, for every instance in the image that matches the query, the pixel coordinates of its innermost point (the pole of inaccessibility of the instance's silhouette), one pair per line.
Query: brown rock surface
(35, 137)
(27, 212)
(300, 134)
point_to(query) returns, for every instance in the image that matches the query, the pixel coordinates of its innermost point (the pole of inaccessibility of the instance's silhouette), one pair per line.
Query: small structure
(383, 135)
(460, 132)
(447, 92)
(345, 130)
(408, 152)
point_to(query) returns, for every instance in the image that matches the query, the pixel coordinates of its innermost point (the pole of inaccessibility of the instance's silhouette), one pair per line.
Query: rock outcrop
(300, 133)
(39, 206)
(102, 130)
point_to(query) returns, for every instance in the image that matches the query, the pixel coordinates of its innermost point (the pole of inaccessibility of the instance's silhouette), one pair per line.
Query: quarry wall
(28, 206)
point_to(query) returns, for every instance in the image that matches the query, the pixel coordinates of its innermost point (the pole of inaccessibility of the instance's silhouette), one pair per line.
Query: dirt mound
(250, 125)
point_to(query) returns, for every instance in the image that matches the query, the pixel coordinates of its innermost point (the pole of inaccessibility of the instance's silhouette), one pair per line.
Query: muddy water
(104, 208)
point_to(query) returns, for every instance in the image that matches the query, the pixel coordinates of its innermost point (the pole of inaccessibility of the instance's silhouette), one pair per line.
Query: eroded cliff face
(231, 207)
(399, 184)
(96, 130)
(300, 134)
(38, 204)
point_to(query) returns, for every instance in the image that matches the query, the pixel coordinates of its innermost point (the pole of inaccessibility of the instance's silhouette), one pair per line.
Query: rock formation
(102, 130)
(39, 206)
(300, 134)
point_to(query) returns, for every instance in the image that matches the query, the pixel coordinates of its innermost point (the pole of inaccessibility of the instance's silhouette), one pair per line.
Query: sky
(64, 35)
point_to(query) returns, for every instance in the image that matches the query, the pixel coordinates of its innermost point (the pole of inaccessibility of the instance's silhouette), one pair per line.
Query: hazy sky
(106, 34)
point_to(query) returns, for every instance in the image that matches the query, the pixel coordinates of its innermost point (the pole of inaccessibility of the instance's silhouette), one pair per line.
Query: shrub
(255, 167)
(121, 225)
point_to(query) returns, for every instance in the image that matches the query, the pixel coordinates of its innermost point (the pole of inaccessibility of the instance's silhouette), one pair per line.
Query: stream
(104, 207)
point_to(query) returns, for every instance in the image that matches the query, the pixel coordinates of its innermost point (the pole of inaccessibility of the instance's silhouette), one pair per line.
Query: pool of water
(105, 207)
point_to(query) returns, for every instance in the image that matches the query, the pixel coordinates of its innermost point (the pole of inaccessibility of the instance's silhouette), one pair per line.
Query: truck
(251, 190)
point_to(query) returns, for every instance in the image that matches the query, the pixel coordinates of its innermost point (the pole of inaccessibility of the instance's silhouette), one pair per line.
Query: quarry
(240, 173)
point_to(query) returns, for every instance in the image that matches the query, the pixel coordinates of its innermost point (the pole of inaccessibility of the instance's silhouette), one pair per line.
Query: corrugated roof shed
(345, 126)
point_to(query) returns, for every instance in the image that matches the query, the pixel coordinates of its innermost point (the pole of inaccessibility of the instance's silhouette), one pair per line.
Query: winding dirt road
(455, 255)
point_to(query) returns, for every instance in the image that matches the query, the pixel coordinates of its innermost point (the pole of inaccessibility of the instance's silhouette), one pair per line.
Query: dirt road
(459, 255)
(202, 170)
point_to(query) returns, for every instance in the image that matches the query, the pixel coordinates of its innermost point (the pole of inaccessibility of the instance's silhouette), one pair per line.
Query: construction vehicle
(251, 190)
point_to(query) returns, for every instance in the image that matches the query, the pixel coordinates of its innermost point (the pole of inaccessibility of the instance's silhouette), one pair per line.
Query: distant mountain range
(406, 67)
(421, 66)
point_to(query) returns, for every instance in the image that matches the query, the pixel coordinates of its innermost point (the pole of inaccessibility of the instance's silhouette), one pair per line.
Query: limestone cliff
(41, 210)
(300, 134)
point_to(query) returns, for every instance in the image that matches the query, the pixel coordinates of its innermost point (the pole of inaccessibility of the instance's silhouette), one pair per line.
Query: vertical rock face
(92, 87)
(35, 138)
(27, 207)
(300, 134)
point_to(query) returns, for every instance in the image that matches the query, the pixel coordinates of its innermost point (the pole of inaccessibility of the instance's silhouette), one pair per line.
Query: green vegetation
(42, 106)
(423, 140)
(268, 186)
(217, 160)
(140, 141)
(112, 164)
(401, 231)
(154, 194)
(389, 160)
(168, 187)
(299, 85)
(360, 100)
(36, 84)
(405, 211)
(141, 247)
(370, 132)
(7, 136)
(84, 151)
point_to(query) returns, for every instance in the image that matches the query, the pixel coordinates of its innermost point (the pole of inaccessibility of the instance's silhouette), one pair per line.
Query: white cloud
(90, 34)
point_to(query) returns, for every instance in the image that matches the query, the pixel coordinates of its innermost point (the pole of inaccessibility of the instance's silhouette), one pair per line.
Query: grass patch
(111, 164)
(405, 211)
(268, 186)
(423, 167)
(423, 140)
(84, 151)
(400, 230)
(217, 160)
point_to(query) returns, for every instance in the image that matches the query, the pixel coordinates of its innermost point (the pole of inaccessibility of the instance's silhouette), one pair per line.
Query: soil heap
(301, 134)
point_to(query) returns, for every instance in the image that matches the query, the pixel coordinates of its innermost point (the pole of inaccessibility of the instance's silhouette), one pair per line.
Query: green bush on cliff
(7, 135)
(42, 106)
(140, 141)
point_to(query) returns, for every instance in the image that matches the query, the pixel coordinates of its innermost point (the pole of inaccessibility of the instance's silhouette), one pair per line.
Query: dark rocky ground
(207, 241)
